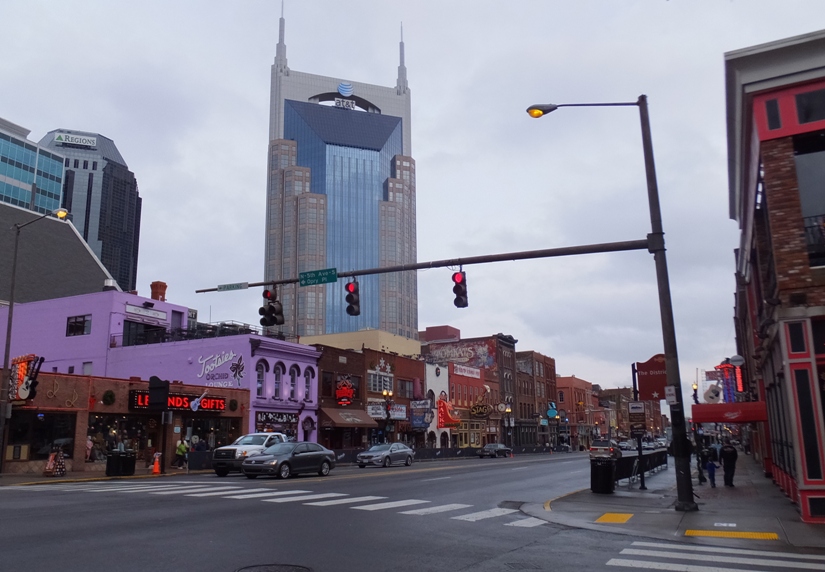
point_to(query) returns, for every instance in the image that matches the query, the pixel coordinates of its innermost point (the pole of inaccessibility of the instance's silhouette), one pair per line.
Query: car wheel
(250, 476)
(387, 462)
(284, 471)
(361, 466)
(408, 462)
(221, 472)
(324, 470)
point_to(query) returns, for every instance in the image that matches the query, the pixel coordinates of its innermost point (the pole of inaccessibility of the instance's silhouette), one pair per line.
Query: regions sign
(84, 140)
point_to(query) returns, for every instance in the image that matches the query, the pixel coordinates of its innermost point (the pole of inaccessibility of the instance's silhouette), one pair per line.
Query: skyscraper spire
(401, 84)
(280, 51)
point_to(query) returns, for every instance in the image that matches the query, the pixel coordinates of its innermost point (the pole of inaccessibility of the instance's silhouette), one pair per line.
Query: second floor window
(276, 386)
(259, 381)
(79, 325)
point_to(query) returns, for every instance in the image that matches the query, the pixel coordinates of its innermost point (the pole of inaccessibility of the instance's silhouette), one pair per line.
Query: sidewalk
(754, 512)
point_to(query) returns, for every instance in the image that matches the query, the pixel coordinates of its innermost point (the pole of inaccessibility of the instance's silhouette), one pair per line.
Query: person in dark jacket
(728, 457)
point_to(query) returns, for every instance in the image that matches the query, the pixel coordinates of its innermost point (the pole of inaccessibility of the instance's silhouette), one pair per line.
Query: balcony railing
(815, 239)
(201, 331)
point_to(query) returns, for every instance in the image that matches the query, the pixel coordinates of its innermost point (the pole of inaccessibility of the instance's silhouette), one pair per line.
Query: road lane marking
(527, 522)
(492, 513)
(667, 566)
(385, 505)
(306, 497)
(213, 493)
(730, 534)
(266, 494)
(343, 501)
(435, 479)
(615, 517)
(761, 562)
(189, 490)
(742, 551)
(436, 509)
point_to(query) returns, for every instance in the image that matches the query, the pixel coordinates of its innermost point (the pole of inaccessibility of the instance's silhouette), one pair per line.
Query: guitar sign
(197, 402)
(23, 381)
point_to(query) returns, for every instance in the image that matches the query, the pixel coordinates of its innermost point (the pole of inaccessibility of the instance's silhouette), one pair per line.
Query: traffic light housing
(353, 298)
(272, 312)
(460, 289)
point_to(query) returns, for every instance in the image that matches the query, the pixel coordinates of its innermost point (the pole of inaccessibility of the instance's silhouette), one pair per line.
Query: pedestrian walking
(710, 464)
(702, 456)
(180, 453)
(727, 456)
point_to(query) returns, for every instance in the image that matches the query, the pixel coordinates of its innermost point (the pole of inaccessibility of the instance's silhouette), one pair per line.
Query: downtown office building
(101, 194)
(340, 194)
(30, 175)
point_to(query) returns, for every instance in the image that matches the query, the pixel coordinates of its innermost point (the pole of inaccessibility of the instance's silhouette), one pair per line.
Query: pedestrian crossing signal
(460, 289)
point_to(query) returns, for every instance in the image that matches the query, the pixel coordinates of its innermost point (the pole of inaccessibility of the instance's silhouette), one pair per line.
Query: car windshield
(376, 448)
(491, 446)
(251, 440)
(280, 449)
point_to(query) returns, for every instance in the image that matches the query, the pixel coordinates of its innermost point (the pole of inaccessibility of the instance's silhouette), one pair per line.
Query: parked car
(648, 446)
(494, 450)
(625, 446)
(603, 449)
(231, 457)
(291, 458)
(385, 455)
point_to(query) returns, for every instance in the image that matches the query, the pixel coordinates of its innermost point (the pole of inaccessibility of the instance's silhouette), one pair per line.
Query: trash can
(114, 463)
(127, 464)
(601, 476)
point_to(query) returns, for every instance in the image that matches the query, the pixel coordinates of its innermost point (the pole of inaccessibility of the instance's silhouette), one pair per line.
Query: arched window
(260, 372)
(278, 370)
(308, 375)
(293, 377)
(561, 397)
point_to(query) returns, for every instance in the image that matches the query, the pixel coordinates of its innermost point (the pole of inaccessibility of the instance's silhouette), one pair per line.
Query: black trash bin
(127, 463)
(601, 476)
(114, 465)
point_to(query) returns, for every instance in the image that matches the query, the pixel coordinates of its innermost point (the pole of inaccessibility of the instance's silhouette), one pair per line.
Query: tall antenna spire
(280, 51)
(401, 84)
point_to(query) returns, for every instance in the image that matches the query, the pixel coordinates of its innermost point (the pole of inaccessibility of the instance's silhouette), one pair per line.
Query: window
(87, 368)
(85, 164)
(308, 384)
(405, 388)
(561, 397)
(276, 386)
(293, 378)
(326, 384)
(260, 370)
(379, 382)
(810, 106)
(76, 163)
(79, 325)
(68, 161)
(71, 369)
(94, 165)
(772, 110)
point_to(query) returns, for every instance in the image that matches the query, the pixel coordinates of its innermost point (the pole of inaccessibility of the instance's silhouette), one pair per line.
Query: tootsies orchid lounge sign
(139, 399)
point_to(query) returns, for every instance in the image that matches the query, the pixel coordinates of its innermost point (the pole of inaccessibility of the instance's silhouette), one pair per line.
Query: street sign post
(235, 286)
(325, 276)
(636, 416)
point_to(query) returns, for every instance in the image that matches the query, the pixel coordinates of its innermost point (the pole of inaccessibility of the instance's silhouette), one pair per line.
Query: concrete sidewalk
(754, 511)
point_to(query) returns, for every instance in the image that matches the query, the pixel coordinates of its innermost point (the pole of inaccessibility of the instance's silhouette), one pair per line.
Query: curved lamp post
(4, 380)
(656, 246)
(389, 426)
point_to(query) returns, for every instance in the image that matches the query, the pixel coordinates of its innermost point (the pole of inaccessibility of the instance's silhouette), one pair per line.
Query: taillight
(611, 449)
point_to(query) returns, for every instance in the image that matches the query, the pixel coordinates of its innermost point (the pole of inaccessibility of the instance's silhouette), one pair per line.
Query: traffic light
(272, 312)
(460, 289)
(353, 298)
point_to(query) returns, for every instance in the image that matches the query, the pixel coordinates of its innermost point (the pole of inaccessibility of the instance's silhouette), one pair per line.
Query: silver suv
(230, 458)
(603, 449)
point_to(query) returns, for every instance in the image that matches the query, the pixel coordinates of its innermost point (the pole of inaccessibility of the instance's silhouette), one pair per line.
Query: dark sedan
(286, 459)
(494, 450)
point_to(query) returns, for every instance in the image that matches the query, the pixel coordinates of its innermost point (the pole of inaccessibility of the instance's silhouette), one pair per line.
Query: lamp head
(538, 110)
(61, 213)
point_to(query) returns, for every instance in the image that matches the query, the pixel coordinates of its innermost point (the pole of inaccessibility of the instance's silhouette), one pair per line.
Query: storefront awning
(740, 412)
(346, 418)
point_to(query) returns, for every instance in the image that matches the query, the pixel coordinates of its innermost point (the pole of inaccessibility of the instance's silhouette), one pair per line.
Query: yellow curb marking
(726, 534)
(547, 503)
(615, 517)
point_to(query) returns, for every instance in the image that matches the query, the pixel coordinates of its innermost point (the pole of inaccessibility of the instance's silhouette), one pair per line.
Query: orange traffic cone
(156, 466)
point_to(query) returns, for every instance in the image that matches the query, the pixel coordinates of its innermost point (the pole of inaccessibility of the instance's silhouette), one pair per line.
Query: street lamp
(388, 403)
(5, 413)
(656, 246)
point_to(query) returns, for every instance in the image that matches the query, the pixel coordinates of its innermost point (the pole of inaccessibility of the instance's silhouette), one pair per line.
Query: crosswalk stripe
(724, 559)
(729, 551)
(266, 494)
(386, 505)
(667, 566)
(306, 497)
(99, 489)
(527, 522)
(343, 501)
(213, 493)
(492, 513)
(188, 490)
(155, 488)
(436, 509)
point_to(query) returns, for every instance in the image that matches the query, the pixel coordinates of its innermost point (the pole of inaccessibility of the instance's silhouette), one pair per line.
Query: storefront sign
(481, 411)
(447, 416)
(84, 140)
(221, 379)
(148, 312)
(421, 413)
(344, 392)
(467, 371)
(263, 417)
(23, 377)
(637, 418)
(652, 376)
(139, 399)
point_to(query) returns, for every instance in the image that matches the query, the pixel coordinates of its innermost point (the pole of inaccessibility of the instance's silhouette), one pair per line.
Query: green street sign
(230, 287)
(325, 276)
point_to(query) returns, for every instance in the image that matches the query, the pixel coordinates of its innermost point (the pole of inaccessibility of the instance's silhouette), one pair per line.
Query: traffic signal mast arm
(648, 244)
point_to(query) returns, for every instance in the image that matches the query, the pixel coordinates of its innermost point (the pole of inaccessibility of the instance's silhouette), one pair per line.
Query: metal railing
(202, 331)
(815, 239)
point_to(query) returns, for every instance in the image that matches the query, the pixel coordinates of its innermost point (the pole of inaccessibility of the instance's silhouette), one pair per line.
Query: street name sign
(326, 276)
(235, 286)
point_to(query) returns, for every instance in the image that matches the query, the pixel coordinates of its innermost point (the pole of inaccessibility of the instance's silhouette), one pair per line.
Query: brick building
(535, 396)
(776, 165)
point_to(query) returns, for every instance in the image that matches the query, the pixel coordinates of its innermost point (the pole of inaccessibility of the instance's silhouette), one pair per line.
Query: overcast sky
(183, 89)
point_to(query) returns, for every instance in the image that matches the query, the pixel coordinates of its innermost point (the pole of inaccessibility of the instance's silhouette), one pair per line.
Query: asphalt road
(439, 516)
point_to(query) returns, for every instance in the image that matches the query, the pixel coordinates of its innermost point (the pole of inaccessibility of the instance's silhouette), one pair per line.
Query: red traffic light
(268, 295)
(458, 277)
(351, 287)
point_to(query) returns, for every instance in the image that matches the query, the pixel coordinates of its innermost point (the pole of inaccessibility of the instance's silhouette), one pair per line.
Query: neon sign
(139, 399)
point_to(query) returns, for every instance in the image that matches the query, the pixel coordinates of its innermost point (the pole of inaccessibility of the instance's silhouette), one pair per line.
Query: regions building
(30, 175)
(101, 194)
(340, 194)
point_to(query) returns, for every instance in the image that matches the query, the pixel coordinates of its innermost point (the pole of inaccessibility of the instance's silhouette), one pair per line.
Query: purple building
(122, 335)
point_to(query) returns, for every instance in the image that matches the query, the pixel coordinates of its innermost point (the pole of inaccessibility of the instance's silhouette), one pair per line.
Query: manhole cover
(274, 568)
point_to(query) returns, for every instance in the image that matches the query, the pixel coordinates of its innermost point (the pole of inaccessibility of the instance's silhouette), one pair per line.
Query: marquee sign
(139, 400)
(275, 417)
(481, 411)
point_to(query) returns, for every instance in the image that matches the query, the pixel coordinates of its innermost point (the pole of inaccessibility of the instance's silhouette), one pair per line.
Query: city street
(453, 515)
